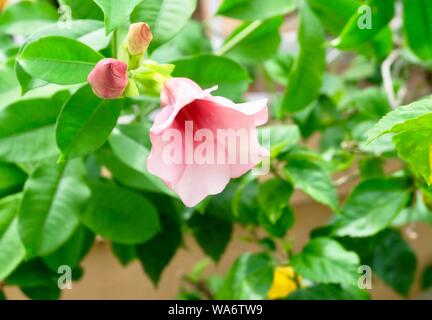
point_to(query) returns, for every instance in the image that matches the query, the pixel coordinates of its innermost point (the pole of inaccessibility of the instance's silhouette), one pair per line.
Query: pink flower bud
(109, 78)
(139, 38)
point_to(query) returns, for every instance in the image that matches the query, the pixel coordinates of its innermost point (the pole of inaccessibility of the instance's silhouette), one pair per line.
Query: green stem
(114, 46)
(230, 44)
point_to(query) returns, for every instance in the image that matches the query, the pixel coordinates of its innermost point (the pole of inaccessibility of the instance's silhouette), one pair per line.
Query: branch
(230, 44)
(388, 80)
(200, 286)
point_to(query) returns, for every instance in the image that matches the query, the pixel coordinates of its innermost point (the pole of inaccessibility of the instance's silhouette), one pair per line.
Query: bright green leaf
(120, 215)
(256, 9)
(325, 261)
(53, 198)
(58, 60)
(85, 123)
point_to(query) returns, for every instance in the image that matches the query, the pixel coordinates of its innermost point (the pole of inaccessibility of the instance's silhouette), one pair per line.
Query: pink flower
(109, 78)
(139, 38)
(192, 147)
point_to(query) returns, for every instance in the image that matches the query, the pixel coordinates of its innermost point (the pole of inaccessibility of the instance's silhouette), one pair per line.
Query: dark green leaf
(85, 123)
(212, 234)
(120, 215)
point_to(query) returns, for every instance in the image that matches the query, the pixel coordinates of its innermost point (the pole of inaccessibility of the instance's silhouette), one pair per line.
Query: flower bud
(139, 38)
(109, 78)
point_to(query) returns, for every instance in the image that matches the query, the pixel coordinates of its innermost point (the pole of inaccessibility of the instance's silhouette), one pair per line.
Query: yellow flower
(283, 283)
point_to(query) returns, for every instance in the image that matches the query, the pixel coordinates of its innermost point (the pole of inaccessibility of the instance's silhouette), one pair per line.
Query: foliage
(73, 165)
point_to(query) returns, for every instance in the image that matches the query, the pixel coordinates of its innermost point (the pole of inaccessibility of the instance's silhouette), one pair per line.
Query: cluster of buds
(131, 74)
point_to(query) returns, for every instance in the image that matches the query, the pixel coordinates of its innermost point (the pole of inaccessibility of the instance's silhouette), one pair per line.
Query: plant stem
(114, 47)
(230, 44)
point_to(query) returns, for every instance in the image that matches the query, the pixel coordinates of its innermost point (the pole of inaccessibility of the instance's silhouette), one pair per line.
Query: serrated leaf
(371, 207)
(312, 178)
(324, 260)
(250, 278)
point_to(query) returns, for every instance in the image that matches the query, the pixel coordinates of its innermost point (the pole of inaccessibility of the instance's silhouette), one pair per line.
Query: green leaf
(124, 174)
(190, 41)
(12, 251)
(120, 215)
(399, 116)
(83, 9)
(371, 207)
(89, 32)
(279, 227)
(133, 153)
(53, 197)
(25, 17)
(267, 35)
(212, 233)
(357, 31)
(27, 130)
(324, 260)
(329, 292)
(389, 256)
(282, 138)
(274, 196)
(334, 20)
(312, 178)
(256, 9)
(117, 13)
(250, 278)
(85, 123)
(165, 17)
(209, 70)
(156, 254)
(307, 75)
(73, 251)
(427, 278)
(124, 253)
(12, 179)
(245, 202)
(418, 27)
(412, 126)
(42, 293)
(58, 60)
